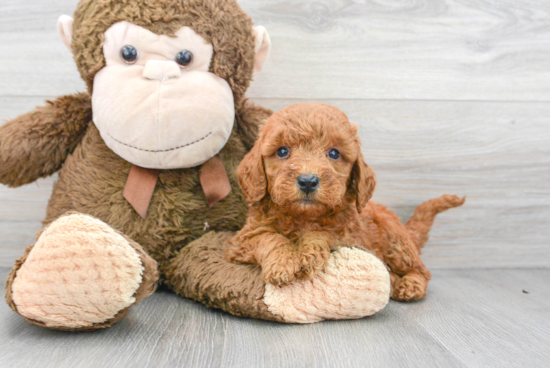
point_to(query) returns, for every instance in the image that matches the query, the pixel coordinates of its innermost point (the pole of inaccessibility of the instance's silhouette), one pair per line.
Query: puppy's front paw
(313, 261)
(281, 271)
(238, 255)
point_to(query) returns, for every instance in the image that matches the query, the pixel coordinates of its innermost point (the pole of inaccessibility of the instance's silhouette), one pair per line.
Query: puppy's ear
(251, 175)
(363, 182)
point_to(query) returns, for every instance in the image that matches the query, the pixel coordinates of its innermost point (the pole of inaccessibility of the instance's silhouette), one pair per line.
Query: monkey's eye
(334, 154)
(283, 152)
(129, 54)
(184, 58)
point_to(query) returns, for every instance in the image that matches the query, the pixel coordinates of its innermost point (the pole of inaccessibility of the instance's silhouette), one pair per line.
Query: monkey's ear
(65, 29)
(251, 175)
(262, 46)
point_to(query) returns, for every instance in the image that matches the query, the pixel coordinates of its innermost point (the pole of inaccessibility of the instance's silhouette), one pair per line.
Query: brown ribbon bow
(141, 184)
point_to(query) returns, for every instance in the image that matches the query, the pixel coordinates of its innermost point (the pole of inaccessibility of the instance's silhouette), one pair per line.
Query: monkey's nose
(308, 183)
(160, 70)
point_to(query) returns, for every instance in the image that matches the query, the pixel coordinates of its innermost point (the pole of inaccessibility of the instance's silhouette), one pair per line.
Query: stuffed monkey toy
(147, 192)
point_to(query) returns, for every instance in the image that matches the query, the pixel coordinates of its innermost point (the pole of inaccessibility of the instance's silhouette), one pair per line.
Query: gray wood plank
(358, 343)
(20, 17)
(453, 49)
(11, 107)
(14, 237)
(27, 203)
(486, 325)
(163, 331)
(470, 318)
(531, 281)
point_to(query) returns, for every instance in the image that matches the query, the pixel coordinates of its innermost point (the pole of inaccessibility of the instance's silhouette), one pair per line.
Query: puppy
(309, 189)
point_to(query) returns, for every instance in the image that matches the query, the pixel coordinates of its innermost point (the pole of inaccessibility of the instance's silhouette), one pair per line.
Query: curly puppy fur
(290, 232)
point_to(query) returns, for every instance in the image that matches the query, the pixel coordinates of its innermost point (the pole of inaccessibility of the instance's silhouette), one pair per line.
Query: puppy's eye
(334, 154)
(184, 58)
(283, 152)
(129, 54)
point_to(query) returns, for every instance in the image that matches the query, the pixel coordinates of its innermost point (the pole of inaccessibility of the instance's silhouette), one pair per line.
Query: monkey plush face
(155, 102)
(165, 76)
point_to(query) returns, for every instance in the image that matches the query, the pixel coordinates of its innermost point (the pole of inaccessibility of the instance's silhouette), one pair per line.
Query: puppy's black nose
(308, 183)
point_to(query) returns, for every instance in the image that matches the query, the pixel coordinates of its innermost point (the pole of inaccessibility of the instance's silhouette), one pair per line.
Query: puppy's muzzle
(308, 183)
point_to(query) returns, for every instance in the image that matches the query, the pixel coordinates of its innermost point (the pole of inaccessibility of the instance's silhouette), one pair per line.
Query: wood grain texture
(416, 49)
(471, 318)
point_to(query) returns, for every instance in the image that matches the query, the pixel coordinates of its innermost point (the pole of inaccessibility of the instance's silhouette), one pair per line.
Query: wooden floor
(472, 318)
(452, 96)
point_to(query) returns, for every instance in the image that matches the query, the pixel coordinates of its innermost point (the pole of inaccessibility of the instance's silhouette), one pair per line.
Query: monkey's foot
(354, 284)
(80, 275)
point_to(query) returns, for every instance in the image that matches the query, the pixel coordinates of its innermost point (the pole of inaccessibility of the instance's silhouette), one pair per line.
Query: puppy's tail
(423, 218)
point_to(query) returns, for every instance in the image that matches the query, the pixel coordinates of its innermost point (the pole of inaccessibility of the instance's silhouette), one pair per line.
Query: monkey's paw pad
(354, 284)
(80, 273)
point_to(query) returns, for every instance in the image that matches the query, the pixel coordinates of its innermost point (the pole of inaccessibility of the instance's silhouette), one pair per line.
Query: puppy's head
(308, 160)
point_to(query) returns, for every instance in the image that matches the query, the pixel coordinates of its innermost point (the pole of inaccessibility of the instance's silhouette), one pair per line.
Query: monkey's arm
(250, 118)
(36, 144)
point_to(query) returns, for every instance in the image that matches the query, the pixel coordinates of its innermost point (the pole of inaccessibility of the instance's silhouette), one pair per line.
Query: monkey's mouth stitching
(166, 150)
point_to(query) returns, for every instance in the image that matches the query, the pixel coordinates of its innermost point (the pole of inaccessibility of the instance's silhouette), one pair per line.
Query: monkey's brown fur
(221, 23)
(62, 136)
(36, 144)
(290, 233)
